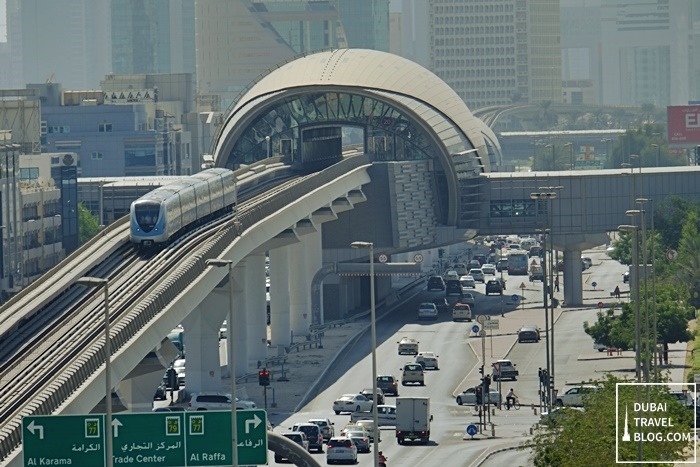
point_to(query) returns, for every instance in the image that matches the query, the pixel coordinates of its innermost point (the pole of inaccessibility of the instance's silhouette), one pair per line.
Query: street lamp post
(553, 154)
(647, 359)
(267, 145)
(546, 295)
(99, 282)
(653, 295)
(573, 162)
(635, 260)
(552, 192)
(658, 153)
(637, 333)
(373, 326)
(227, 263)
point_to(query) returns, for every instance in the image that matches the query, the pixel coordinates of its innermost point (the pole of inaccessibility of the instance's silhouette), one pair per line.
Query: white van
(461, 312)
(412, 373)
(217, 401)
(408, 346)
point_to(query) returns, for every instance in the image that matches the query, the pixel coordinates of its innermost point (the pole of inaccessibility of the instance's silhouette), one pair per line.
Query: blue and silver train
(165, 211)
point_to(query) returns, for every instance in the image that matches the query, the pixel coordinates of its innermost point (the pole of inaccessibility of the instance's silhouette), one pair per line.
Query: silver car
(326, 426)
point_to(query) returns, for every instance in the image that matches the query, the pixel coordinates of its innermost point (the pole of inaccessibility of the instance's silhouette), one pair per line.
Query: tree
(88, 225)
(671, 314)
(669, 218)
(589, 438)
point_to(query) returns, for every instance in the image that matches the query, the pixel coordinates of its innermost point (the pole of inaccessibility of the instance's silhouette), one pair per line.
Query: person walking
(556, 284)
(617, 292)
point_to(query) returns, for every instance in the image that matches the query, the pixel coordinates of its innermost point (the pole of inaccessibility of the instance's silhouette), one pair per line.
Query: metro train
(165, 211)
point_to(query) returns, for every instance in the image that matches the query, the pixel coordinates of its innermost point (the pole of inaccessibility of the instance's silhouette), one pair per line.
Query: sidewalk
(304, 368)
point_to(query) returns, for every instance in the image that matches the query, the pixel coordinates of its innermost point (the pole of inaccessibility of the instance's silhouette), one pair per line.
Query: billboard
(683, 124)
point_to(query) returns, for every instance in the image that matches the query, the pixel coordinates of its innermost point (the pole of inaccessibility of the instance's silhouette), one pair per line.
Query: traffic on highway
(402, 337)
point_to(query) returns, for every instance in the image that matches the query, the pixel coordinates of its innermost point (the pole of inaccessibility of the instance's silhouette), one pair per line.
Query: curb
(491, 453)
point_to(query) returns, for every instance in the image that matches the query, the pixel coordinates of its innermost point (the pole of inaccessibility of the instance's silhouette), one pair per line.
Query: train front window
(147, 216)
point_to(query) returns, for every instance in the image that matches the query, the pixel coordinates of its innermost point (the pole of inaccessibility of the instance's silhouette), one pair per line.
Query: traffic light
(172, 378)
(441, 252)
(481, 370)
(697, 155)
(264, 377)
(487, 383)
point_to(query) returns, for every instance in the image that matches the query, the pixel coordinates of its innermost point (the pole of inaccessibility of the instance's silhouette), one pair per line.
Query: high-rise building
(366, 23)
(152, 36)
(631, 52)
(59, 40)
(237, 41)
(415, 31)
(496, 52)
(646, 52)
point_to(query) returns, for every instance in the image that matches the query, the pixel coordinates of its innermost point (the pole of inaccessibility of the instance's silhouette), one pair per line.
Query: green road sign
(163, 439)
(208, 437)
(148, 439)
(45, 440)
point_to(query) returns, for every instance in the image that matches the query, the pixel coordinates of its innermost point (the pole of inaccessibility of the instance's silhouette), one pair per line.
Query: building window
(105, 128)
(96, 156)
(29, 174)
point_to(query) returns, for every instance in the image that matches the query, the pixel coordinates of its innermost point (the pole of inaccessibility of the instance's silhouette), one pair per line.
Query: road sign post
(160, 439)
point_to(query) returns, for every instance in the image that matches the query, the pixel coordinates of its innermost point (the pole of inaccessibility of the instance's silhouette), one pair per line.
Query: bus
(517, 263)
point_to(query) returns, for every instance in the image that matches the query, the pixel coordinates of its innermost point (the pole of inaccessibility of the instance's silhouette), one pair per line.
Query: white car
(341, 450)
(467, 282)
(352, 403)
(477, 274)
(451, 275)
(386, 415)
(467, 298)
(428, 360)
(427, 311)
(217, 401)
(489, 269)
(575, 396)
(468, 397)
(179, 367)
(368, 425)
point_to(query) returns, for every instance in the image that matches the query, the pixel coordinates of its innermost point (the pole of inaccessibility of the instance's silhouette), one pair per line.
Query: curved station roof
(386, 95)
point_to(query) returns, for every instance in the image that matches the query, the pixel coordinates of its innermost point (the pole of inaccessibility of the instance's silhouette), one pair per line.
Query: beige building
(41, 225)
(496, 52)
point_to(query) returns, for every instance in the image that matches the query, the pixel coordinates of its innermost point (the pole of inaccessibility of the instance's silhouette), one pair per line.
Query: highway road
(459, 369)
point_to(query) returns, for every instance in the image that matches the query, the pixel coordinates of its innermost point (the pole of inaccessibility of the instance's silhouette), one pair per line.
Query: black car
(388, 384)
(494, 286)
(481, 259)
(441, 304)
(313, 434)
(453, 288)
(367, 392)
(502, 265)
(160, 394)
(436, 283)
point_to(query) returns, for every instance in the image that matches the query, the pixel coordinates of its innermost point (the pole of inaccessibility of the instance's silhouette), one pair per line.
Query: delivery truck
(413, 419)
